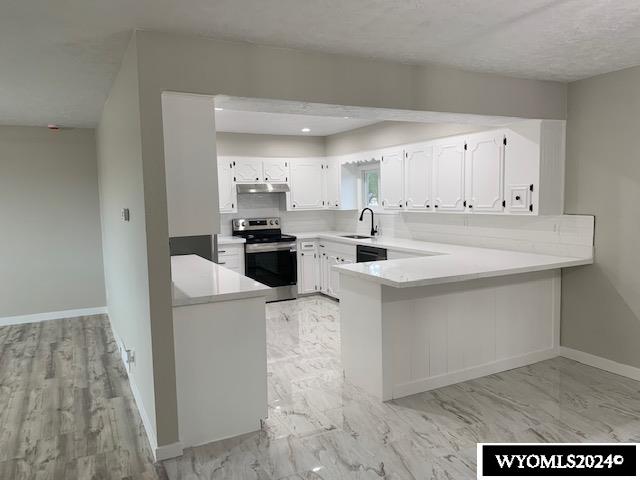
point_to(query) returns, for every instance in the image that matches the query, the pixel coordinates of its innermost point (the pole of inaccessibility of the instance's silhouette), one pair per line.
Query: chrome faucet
(374, 230)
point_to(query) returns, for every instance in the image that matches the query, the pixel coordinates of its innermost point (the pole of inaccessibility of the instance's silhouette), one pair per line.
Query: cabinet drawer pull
(222, 263)
(222, 251)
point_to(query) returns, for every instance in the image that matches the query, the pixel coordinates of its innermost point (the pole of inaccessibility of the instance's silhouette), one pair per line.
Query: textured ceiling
(59, 57)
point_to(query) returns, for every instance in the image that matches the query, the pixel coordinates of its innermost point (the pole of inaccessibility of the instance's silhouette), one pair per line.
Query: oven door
(273, 264)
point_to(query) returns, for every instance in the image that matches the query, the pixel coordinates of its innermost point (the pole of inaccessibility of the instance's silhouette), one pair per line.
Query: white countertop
(444, 263)
(228, 240)
(196, 280)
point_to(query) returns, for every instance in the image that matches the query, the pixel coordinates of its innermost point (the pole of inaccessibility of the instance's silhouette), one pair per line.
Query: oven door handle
(270, 247)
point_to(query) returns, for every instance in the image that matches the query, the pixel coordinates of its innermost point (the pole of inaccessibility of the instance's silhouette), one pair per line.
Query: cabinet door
(307, 281)
(275, 170)
(226, 186)
(324, 269)
(332, 183)
(418, 177)
(449, 175)
(248, 170)
(334, 276)
(306, 184)
(391, 179)
(485, 172)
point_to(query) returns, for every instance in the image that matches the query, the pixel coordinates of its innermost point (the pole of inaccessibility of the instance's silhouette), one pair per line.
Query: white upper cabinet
(248, 169)
(226, 186)
(275, 170)
(485, 172)
(449, 175)
(306, 184)
(332, 183)
(391, 179)
(418, 177)
(517, 169)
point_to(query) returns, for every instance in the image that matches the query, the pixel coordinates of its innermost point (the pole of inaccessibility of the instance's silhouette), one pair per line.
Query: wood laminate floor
(66, 409)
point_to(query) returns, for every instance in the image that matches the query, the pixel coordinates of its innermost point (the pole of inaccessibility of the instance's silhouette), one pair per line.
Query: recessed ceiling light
(306, 130)
(219, 109)
(346, 118)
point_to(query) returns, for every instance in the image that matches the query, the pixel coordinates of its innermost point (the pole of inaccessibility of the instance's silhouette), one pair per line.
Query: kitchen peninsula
(220, 349)
(455, 313)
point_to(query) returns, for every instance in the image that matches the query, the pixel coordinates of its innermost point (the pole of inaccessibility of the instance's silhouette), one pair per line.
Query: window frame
(364, 170)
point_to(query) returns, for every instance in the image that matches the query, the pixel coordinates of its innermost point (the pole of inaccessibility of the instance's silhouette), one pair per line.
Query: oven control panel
(243, 224)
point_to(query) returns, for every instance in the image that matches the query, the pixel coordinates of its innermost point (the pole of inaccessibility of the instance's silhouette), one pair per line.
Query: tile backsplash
(274, 205)
(566, 235)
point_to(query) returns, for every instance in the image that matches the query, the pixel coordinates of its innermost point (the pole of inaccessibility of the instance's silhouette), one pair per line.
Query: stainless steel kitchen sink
(354, 236)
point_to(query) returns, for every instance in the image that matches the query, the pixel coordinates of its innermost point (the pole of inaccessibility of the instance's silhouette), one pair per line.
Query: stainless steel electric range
(270, 256)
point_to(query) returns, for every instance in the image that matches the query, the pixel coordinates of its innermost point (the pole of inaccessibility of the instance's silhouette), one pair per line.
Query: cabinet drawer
(230, 249)
(342, 249)
(307, 245)
(232, 262)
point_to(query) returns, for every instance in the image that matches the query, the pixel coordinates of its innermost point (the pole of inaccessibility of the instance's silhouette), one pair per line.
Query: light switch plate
(126, 216)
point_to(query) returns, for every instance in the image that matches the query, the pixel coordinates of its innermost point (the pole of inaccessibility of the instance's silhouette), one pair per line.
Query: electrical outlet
(130, 358)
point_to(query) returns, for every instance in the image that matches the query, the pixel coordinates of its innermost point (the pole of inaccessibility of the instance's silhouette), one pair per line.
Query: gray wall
(192, 64)
(125, 243)
(50, 251)
(601, 302)
(269, 145)
(388, 134)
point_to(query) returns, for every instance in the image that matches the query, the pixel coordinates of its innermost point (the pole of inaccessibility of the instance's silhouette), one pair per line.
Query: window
(371, 186)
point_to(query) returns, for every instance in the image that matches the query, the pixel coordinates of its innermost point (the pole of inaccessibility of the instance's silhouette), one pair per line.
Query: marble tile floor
(66, 408)
(321, 427)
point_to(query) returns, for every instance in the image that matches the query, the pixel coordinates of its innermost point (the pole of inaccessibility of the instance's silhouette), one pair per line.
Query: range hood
(262, 187)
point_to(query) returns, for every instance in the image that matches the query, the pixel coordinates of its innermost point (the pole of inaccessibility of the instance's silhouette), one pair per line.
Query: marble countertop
(196, 280)
(442, 262)
(228, 240)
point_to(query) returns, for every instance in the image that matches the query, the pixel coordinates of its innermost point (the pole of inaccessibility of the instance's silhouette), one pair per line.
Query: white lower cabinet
(308, 267)
(231, 256)
(331, 254)
(323, 267)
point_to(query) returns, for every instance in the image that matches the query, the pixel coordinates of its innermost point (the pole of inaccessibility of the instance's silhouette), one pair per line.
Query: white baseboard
(162, 452)
(41, 317)
(601, 363)
(438, 381)
(173, 450)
